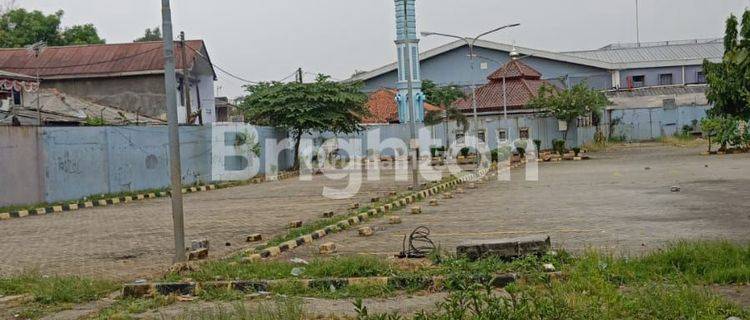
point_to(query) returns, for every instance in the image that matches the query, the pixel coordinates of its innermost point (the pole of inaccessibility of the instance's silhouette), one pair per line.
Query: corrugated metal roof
(57, 106)
(14, 76)
(97, 60)
(655, 53)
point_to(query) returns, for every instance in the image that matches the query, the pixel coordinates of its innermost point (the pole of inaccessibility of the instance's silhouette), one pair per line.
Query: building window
(16, 98)
(700, 77)
(523, 133)
(481, 136)
(460, 137)
(665, 79)
(502, 135)
(639, 81)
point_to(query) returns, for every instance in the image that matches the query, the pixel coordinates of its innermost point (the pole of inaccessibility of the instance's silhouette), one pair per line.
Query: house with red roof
(384, 108)
(126, 76)
(510, 89)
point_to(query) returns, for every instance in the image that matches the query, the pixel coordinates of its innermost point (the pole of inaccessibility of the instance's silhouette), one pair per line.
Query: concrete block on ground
(327, 248)
(354, 206)
(375, 199)
(137, 290)
(434, 202)
(505, 248)
(416, 210)
(448, 195)
(394, 219)
(295, 224)
(255, 237)
(365, 232)
(328, 214)
(460, 190)
(199, 254)
(199, 244)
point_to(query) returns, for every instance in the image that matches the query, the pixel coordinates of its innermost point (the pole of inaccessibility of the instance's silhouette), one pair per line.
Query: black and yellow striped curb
(399, 202)
(83, 204)
(140, 290)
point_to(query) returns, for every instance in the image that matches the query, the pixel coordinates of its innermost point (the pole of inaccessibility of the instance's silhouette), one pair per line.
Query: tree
(19, 28)
(444, 97)
(569, 104)
(729, 80)
(323, 105)
(82, 34)
(150, 35)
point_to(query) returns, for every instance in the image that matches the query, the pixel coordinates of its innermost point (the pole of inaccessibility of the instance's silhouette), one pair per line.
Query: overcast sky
(269, 39)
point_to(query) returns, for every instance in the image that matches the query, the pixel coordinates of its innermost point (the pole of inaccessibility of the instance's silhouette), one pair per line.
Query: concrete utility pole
(637, 25)
(299, 76)
(413, 143)
(170, 85)
(185, 78)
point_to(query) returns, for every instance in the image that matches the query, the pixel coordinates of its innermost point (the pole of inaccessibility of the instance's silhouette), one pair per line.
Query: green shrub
(538, 144)
(576, 150)
(724, 131)
(434, 150)
(465, 151)
(558, 146)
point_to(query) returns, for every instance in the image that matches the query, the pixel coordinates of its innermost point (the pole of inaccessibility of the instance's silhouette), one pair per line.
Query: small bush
(465, 151)
(538, 144)
(559, 146)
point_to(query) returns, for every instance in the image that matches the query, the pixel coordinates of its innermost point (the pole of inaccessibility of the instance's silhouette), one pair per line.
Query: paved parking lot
(611, 202)
(134, 240)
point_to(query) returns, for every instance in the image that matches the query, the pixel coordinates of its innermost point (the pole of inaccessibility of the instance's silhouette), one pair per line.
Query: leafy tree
(323, 105)
(725, 131)
(19, 28)
(82, 34)
(444, 97)
(150, 35)
(569, 104)
(729, 80)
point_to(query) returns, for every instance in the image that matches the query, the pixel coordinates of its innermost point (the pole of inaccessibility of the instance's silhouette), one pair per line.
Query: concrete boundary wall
(20, 162)
(52, 164)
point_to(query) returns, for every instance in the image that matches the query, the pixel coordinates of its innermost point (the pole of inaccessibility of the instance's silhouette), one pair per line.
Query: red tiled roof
(97, 60)
(515, 69)
(384, 109)
(522, 83)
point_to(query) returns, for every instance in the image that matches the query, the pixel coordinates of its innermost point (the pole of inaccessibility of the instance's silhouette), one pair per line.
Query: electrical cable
(218, 67)
(419, 246)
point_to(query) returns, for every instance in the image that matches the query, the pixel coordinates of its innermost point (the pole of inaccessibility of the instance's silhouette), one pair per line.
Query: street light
(471, 42)
(514, 56)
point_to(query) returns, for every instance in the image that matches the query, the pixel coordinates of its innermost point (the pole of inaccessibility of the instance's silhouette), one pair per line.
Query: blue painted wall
(453, 67)
(652, 75)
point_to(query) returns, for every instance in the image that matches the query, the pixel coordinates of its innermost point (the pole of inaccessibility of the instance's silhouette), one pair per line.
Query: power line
(219, 67)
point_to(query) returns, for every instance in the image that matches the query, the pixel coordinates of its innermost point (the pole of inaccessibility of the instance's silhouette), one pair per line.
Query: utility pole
(170, 85)
(637, 25)
(185, 78)
(299, 76)
(413, 144)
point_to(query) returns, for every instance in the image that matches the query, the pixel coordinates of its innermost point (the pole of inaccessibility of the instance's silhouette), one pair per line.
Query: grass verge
(53, 293)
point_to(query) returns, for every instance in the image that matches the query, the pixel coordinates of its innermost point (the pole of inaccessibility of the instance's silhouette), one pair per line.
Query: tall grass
(338, 267)
(56, 289)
